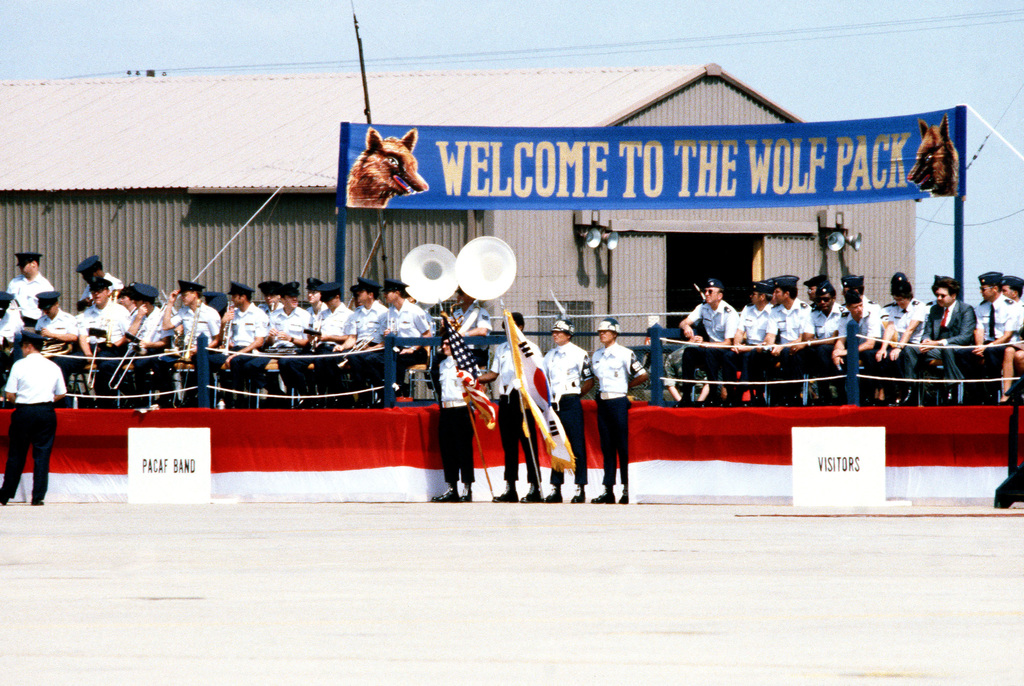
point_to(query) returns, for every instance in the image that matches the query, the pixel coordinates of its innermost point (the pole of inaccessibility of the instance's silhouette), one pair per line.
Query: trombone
(105, 335)
(131, 350)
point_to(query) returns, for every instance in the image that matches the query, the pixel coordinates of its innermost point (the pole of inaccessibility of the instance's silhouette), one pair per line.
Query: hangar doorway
(690, 258)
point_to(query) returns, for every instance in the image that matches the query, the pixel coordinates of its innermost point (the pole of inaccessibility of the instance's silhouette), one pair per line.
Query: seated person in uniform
(60, 331)
(719, 321)
(905, 316)
(826, 314)
(327, 363)
(869, 328)
(749, 355)
(789, 330)
(287, 337)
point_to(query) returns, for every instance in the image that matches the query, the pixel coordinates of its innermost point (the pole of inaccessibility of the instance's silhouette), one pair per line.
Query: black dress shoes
(449, 496)
(509, 496)
(533, 496)
(468, 498)
(606, 498)
(624, 500)
(580, 497)
(555, 496)
(37, 502)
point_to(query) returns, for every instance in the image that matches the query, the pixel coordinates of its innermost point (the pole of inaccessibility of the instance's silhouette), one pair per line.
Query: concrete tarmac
(485, 593)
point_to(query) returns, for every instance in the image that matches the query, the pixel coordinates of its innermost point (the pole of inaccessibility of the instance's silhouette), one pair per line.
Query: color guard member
(617, 370)
(473, 320)
(34, 387)
(27, 285)
(454, 433)
(570, 377)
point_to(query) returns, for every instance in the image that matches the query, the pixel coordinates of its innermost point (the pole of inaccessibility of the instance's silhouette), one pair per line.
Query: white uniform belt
(611, 396)
(453, 403)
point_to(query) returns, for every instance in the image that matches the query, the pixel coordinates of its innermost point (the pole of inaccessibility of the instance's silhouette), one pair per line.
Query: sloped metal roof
(257, 132)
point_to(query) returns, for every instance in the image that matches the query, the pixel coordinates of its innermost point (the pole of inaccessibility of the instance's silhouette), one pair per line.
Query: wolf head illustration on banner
(938, 164)
(385, 169)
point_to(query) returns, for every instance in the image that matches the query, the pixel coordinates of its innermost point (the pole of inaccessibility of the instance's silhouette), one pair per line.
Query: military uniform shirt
(247, 326)
(334, 325)
(207, 318)
(25, 292)
(451, 387)
(11, 324)
(64, 322)
(409, 322)
(1005, 317)
(475, 317)
(754, 323)
(870, 306)
(870, 326)
(789, 325)
(116, 284)
(567, 367)
(504, 367)
(614, 367)
(916, 311)
(293, 324)
(365, 323)
(719, 324)
(152, 329)
(113, 318)
(826, 326)
(35, 379)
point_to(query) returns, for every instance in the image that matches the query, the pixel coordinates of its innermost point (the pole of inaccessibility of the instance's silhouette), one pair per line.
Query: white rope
(293, 397)
(765, 346)
(729, 345)
(755, 383)
(293, 356)
(971, 346)
(130, 397)
(946, 381)
(997, 134)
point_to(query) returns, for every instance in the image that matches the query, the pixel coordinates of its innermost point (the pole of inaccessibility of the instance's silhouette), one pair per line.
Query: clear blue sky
(822, 61)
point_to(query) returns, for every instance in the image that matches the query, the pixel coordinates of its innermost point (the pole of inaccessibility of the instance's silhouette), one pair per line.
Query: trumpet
(358, 347)
(186, 355)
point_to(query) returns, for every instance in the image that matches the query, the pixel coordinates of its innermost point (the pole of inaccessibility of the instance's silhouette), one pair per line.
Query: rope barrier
(756, 383)
(765, 346)
(293, 397)
(130, 397)
(293, 356)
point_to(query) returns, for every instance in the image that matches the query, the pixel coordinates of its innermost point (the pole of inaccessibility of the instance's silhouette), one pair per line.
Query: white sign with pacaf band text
(839, 465)
(169, 465)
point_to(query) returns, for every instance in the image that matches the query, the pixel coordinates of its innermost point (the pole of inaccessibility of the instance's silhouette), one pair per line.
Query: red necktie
(945, 316)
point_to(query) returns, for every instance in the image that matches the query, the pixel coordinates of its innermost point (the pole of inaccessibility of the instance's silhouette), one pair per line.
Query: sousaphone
(485, 268)
(429, 269)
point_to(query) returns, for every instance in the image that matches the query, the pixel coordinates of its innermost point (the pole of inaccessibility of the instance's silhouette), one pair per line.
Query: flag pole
(480, 447)
(529, 439)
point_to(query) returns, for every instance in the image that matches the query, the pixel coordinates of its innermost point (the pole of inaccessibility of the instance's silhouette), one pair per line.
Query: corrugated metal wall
(158, 238)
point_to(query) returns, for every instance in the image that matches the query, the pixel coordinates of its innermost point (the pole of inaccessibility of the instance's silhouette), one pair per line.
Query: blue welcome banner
(652, 167)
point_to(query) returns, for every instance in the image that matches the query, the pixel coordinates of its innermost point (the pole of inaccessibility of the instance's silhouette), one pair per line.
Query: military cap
(365, 285)
(218, 301)
(785, 281)
(30, 336)
(1014, 282)
(88, 264)
(714, 283)
(563, 326)
(290, 289)
(766, 287)
(853, 281)
(990, 278)
(853, 297)
(143, 291)
(312, 283)
(26, 257)
(609, 324)
(899, 284)
(6, 297)
(190, 286)
(269, 287)
(100, 284)
(329, 290)
(47, 298)
(815, 281)
(826, 288)
(240, 289)
(394, 285)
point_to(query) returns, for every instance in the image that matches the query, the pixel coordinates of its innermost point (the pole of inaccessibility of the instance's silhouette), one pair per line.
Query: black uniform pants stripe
(570, 412)
(32, 426)
(613, 428)
(455, 438)
(510, 426)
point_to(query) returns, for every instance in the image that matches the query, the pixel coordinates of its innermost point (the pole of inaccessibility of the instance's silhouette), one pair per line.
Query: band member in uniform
(247, 328)
(617, 370)
(27, 285)
(405, 319)
(10, 333)
(905, 316)
(454, 433)
(326, 366)
(318, 310)
(363, 335)
(148, 338)
(271, 300)
(570, 377)
(101, 335)
(192, 320)
(91, 268)
(718, 321)
(56, 325)
(34, 386)
(510, 421)
(287, 336)
(749, 355)
(869, 328)
(789, 329)
(949, 322)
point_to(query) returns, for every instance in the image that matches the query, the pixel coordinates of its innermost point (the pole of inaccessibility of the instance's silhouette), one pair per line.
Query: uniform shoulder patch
(892, 304)
(803, 305)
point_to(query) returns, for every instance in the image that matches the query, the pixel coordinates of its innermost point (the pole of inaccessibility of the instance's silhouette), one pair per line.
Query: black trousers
(613, 428)
(368, 368)
(293, 373)
(510, 425)
(455, 438)
(711, 359)
(31, 426)
(752, 365)
(570, 412)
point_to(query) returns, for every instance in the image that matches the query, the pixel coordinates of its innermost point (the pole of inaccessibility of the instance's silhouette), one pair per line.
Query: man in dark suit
(950, 323)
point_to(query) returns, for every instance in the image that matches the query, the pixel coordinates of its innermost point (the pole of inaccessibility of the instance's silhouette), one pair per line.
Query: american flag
(468, 371)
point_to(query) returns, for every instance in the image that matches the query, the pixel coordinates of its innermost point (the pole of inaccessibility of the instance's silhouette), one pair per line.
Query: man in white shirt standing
(34, 386)
(27, 285)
